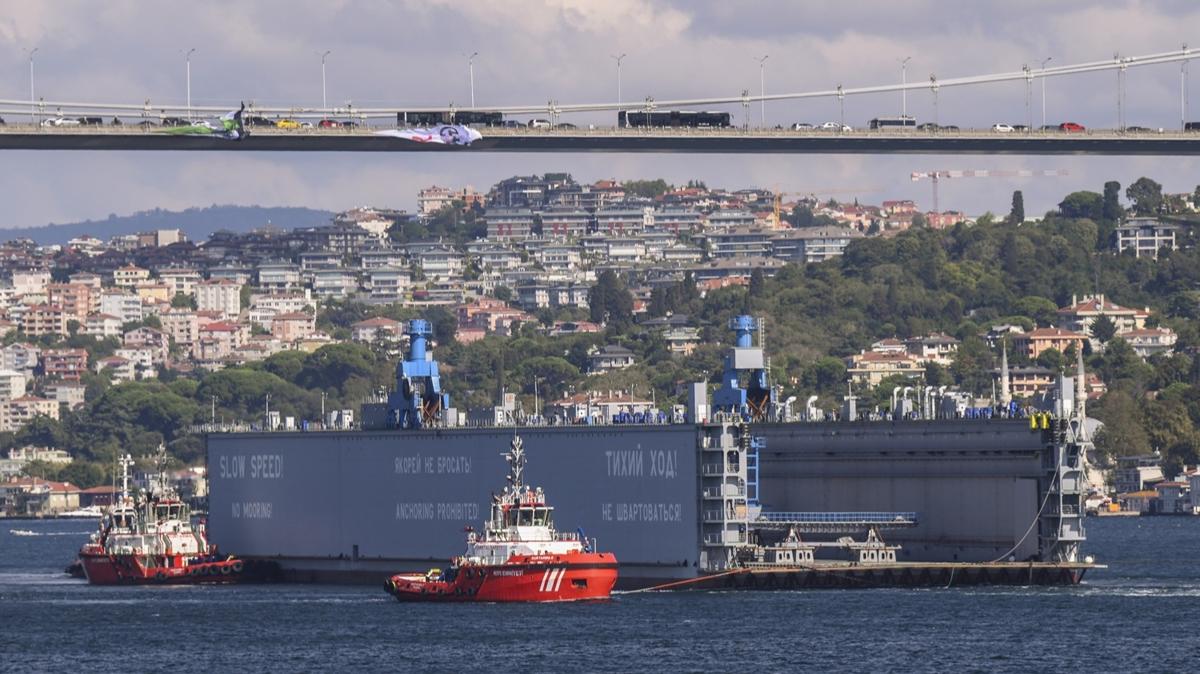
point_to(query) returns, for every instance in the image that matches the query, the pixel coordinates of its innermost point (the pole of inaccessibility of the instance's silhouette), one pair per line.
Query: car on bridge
(257, 120)
(287, 124)
(60, 121)
(1003, 128)
(834, 126)
(802, 126)
(1192, 126)
(1072, 127)
(328, 124)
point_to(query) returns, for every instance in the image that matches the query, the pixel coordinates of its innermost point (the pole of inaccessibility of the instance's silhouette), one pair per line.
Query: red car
(328, 124)
(1071, 127)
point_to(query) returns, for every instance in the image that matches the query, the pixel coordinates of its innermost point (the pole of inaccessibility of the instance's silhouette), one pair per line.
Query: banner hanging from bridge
(443, 134)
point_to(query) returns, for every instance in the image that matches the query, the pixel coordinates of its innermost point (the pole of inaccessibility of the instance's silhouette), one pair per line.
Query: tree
(445, 324)
(919, 220)
(1123, 433)
(1111, 208)
(758, 283)
(1052, 359)
(182, 301)
(1017, 215)
(1082, 205)
(1103, 328)
(646, 188)
(502, 293)
(1146, 195)
(609, 301)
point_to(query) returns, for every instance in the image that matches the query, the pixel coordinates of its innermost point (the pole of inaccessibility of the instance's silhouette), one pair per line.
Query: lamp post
(471, 74)
(188, 59)
(904, 86)
(618, 59)
(1044, 62)
(32, 108)
(762, 90)
(1183, 73)
(324, 106)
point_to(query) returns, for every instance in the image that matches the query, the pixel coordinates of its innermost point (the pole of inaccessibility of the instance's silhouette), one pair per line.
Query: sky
(402, 53)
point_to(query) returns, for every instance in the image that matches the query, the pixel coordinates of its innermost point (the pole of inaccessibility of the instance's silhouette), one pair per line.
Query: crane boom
(935, 176)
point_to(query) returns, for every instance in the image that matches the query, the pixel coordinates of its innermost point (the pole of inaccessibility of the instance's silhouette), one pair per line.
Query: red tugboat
(518, 557)
(152, 542)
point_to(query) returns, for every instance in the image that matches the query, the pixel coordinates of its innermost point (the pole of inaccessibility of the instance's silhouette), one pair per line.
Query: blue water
(1140, 614)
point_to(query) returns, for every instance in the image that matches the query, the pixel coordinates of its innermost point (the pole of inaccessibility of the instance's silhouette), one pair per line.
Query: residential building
(222, 295)
(814, 244)
(622, 221)
(292, 326)
(142, 358)
(216, 341)
(729, 219)
(676, 220)
(440, 263)
(17, 412)
(337, 283)
(76, 299)
(44, 319)
(738, 242)
(65, 364)
(155, 293)
(1082, 313)
(377, 329)
(601, 406)
(1173, 498)
(1147, 342)
(1137, 473)
(871, 368)
(180, 279)
(12, 384)
(1146, 236)
(29, 281)
(71, 394)
(565, 223)
(157, 342)
(181, 326)
(1028, 382)
(936, 347)
(103, 325)
(508, 224)
(125, 305)
(387, 284)
(129, 276)
(560, 258)
(610, 358)
(276, 276)
(20, 356)
(119, 369)
(1033, 343)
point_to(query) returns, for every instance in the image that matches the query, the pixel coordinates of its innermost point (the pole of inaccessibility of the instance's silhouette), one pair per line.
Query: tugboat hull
(133, 570)
(585, 577)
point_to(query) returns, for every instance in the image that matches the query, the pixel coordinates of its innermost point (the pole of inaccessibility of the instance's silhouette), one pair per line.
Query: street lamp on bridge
(904, 84)
(1044, 62)
(762, 89)
(188, 58)
(618, 59)
(32, 109)
(471, 74)
(324, 105)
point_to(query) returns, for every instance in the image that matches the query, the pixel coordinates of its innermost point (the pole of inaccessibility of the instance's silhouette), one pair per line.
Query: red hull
(544, 578)
(101, 569)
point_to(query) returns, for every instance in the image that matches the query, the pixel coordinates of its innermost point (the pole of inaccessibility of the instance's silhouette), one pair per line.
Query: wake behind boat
(519, 557)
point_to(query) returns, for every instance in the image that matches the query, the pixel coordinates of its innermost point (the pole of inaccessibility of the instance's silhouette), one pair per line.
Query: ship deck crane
(418, 400)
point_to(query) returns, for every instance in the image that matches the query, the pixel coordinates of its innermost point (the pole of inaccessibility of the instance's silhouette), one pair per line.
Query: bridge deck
(702, 141)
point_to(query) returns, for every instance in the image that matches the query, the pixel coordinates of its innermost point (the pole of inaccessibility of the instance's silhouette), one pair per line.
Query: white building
(222, 295)
(1146, 236)
(123, 304)
(12, 384)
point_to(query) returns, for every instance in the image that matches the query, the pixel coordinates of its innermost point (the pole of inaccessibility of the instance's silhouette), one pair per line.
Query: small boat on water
(88, 512)
(152, 540)
(519, 556)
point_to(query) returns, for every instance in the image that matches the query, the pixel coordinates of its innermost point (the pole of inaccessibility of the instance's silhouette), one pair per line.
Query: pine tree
(1017, 215)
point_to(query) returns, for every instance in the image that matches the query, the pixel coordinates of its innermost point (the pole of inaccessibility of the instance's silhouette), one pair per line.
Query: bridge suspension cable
(1120, 63)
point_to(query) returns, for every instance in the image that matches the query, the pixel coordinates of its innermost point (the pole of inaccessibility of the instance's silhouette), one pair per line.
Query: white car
(802, 126)
(60, 121)
(539, 124)
(834, 126)
(1002, 128)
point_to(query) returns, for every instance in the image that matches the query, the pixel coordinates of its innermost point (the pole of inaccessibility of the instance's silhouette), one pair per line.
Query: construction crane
(936, 176)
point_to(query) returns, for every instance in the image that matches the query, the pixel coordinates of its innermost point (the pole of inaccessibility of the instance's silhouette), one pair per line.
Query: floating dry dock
(901, 574)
